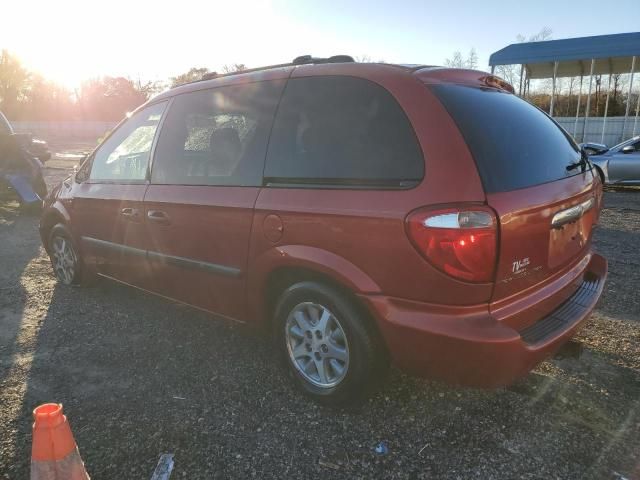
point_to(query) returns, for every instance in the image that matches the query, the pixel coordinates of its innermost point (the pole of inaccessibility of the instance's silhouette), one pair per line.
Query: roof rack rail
(301, 60)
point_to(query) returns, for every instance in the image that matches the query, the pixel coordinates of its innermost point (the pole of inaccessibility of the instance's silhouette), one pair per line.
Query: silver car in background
(618, 165)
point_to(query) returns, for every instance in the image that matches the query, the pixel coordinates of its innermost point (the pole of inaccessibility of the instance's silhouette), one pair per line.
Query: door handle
(130, 213)
(158, 216)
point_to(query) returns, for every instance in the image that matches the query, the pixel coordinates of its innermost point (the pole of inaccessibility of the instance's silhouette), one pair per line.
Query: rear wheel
(65, 259)
(328, 345)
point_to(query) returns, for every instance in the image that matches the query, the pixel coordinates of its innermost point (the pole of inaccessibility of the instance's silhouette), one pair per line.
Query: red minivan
(362, 213)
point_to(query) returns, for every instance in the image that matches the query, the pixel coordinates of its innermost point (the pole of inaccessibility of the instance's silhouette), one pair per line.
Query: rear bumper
(469, 346)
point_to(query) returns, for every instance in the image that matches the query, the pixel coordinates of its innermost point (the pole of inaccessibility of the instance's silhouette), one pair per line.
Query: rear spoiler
(463, 76)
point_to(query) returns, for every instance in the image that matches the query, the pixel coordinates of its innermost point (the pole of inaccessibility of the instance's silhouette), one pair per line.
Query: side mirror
(628, 149)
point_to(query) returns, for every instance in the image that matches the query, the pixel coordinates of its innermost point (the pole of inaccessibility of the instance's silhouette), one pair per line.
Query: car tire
(64, 255)
(328, 344)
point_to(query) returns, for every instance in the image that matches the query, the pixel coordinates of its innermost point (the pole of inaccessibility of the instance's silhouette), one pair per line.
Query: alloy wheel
(64, 259)
(317, 344)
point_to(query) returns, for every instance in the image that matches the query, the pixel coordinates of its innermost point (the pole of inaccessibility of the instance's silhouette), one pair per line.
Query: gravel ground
(140, 376)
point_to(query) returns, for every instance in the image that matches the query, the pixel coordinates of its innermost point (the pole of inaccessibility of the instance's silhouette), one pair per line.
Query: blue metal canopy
(612, 54)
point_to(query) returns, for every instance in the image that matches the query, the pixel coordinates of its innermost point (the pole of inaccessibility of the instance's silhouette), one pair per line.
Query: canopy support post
(606, 109)
(626, 112)
(521, 77)
(588, 107)
(493, 69)
(635, 122)
(575, 125)
(553, 87)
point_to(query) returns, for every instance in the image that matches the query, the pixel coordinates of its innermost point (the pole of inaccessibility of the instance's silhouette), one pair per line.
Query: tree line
(26, 95)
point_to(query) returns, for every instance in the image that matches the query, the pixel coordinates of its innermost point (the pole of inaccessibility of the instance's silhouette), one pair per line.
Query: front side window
(124, 156)
(217, 136)
(338, 130)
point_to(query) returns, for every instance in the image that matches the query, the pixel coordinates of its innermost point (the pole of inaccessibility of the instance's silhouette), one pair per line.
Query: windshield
(625, 143)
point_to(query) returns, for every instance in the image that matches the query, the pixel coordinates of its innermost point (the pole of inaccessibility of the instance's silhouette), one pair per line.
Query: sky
(68, 41)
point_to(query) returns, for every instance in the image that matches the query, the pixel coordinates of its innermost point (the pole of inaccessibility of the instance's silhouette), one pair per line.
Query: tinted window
(217, 136)
(125, 154)
(342, 130)
(515, 145)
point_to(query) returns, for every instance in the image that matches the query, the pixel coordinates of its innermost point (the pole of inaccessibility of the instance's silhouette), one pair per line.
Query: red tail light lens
(460, 242)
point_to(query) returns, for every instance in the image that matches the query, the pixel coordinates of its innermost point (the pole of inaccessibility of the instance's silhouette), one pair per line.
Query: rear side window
(342, 131)
(217, 136)
(515, 145)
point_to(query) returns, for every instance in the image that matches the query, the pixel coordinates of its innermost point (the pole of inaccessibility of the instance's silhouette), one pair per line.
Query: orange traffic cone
(54, 453)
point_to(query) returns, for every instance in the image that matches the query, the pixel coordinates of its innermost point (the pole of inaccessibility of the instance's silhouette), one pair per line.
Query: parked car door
(625, 166)
(107, 207)
(206, 175)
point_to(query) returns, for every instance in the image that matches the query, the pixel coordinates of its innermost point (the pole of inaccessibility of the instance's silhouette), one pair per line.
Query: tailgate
(534, 177)
(544, 230)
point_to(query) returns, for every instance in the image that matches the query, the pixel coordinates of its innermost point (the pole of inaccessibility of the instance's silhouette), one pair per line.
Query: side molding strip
(162, 258)
(114, 247)
(194, 264)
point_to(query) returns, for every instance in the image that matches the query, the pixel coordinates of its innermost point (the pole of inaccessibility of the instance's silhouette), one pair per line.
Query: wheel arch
(283, 277)
(50, 218)
(603, 178)
(281, 267)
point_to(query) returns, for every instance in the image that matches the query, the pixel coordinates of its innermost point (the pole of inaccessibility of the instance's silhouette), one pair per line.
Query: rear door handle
(130, 213)
(158, 216)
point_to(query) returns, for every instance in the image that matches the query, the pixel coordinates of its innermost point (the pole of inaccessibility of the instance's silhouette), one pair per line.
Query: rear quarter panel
(366, 228)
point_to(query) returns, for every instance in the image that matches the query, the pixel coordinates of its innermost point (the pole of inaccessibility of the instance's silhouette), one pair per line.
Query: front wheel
(328, 344)
(64, 256)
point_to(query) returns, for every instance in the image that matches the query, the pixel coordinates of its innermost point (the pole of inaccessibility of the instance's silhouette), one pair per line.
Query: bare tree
(472, 59)
(149, 89)
(458, 61)
(363, 58)
(191, 75)
(511, 73)
(14, 80)
(234, 67)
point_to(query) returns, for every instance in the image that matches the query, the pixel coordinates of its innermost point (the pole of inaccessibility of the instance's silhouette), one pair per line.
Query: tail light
(460, 242)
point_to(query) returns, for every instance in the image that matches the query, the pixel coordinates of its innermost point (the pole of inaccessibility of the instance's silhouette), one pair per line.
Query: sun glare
(122, 40)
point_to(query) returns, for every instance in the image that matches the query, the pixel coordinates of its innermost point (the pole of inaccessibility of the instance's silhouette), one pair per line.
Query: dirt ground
(140, 376)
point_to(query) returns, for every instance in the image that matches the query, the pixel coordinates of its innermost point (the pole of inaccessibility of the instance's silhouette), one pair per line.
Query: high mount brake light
(460, 242)
(497, 82)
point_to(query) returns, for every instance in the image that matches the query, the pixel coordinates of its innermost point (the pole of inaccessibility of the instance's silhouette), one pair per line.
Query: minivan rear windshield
(515, 145)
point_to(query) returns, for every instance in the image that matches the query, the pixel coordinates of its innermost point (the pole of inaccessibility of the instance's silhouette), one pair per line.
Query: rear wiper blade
(583, 162)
